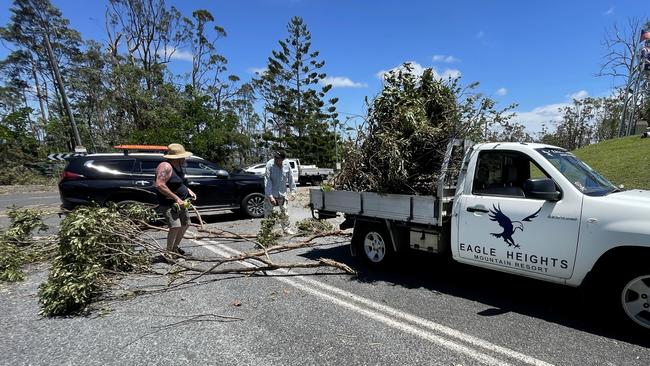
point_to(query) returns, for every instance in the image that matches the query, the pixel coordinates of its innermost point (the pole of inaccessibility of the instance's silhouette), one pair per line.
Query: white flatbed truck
(532, 210)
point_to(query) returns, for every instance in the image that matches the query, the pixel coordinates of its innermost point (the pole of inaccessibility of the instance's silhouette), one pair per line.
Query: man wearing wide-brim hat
(172, 193)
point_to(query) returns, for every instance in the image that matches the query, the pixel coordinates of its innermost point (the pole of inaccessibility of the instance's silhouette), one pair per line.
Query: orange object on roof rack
(141, 147)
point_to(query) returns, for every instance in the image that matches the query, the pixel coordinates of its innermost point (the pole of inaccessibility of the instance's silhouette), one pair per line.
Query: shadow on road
(502, 292)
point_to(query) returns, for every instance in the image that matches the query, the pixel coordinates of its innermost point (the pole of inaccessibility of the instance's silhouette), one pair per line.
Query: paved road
(421, 311)
(35, 199)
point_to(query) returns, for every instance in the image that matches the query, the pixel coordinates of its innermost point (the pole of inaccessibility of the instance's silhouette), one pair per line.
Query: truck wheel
(253, 205)
(633, 292)
(375, 245)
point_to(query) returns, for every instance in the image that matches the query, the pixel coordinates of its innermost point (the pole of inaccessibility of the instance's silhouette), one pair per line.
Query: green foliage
(11, 261)
(267, 236)
(313, 226)
(585, 121)
(15, 249)
(23, 223)
(326, 187)
(93, 242)
(408, 127)
(622, 161)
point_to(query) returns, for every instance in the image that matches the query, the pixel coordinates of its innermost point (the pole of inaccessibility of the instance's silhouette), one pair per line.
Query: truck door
(502, 227)
(293, 164)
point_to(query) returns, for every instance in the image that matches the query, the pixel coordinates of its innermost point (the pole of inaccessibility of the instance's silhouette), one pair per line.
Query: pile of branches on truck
(408, 127)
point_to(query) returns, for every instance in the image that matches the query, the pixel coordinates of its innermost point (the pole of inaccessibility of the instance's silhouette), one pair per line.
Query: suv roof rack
(140, 148)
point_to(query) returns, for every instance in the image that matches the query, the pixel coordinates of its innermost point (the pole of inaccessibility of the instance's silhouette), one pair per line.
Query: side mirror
(542, 188)
(222, 174)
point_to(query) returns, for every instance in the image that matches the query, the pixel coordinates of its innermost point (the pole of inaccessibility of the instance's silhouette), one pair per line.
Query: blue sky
(537, 54)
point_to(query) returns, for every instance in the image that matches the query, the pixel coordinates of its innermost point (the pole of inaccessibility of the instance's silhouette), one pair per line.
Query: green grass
(623, 161)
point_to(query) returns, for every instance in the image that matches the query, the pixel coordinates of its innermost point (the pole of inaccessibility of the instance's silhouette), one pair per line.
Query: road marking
(376, 313)
(429, 336)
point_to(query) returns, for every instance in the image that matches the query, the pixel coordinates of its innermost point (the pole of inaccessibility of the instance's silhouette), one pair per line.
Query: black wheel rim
(255, 206)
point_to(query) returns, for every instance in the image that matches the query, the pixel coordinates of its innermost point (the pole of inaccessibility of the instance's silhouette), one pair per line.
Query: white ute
(528, 209)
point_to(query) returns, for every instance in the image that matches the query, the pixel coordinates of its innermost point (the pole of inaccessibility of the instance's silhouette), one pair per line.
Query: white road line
(431, 325)
(416, 320)
(429, 336)
(374, 313)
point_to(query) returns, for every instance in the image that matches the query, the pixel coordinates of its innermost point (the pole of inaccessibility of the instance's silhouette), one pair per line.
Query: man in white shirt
(276, 179)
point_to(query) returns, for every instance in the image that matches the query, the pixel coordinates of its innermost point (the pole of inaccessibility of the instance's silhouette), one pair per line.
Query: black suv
(123, 178)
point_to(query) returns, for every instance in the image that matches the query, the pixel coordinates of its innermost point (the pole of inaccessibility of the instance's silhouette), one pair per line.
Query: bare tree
(623, 64)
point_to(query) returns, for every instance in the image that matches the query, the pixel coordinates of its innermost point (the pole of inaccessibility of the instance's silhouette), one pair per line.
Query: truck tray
(398, 207)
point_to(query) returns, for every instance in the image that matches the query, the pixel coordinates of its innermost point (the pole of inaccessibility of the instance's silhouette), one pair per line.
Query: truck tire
(374, 245)
(630, 292)
(253, 205)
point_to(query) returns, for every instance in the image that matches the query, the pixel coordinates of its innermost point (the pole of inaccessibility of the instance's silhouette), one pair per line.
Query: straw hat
(176, 151)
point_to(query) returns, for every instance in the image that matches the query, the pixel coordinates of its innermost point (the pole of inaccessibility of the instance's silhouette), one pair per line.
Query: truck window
(587, 180)
(293, 165)
(503, 173)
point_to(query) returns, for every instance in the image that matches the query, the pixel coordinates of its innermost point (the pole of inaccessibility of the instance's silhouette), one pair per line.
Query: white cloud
(257, 70)
(609, 11)
(342, 82)
(534, 119)
(480, 34)
(449, 74)
(501, 92)
(417, 69)
(176, 54)
(448, 59)
(580, 94)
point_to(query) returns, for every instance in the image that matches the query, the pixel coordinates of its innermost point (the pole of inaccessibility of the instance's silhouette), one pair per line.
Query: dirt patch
(28, 188)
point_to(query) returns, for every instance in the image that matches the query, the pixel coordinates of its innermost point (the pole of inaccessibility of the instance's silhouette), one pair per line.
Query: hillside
(623, 161)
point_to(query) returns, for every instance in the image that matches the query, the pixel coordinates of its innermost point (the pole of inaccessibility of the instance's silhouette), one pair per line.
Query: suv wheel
(253, 205)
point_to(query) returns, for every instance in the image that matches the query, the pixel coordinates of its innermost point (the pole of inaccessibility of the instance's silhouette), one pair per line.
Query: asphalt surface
(423, 310)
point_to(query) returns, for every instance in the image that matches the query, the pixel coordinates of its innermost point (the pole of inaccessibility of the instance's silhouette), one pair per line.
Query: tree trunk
(39, 95)
(59, 81)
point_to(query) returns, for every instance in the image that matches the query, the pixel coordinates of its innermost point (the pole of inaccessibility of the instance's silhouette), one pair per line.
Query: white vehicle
(528, 209)
(302, 174)
(257, 169)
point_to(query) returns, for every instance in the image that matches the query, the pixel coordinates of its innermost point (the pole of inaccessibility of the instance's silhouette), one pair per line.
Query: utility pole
(59, 83)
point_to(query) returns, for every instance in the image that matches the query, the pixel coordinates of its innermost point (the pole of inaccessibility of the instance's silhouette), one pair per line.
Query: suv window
(149, 166)
(112, 167)
(503, 173)
(200, 168)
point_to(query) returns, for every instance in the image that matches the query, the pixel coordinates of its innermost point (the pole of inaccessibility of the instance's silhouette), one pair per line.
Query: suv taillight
(66, 175)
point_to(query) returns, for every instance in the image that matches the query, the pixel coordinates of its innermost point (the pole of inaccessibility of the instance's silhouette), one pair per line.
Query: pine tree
(293, 88)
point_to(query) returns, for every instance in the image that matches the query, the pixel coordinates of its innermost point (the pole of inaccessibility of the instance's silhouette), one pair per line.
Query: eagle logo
(509, 226)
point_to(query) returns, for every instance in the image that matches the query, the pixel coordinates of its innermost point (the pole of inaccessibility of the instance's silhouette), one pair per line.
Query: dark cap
(279, 155)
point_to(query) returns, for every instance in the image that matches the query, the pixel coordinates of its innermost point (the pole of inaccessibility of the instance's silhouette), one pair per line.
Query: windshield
(587, 180)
